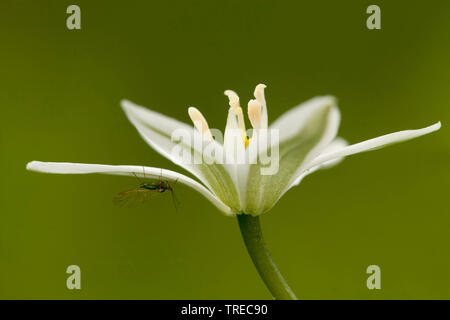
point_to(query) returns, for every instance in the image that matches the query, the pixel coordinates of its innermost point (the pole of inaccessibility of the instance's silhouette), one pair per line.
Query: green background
(59, 99)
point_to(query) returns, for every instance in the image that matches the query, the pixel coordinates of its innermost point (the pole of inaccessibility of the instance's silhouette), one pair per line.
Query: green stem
(256, 247)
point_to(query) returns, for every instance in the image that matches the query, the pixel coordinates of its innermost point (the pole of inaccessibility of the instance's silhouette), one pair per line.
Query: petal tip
(126, 105)
(33, 165)
(432, 128)
(29, 165)
(124, 102)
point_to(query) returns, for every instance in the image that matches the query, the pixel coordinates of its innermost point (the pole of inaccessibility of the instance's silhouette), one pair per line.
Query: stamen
(233, 98)
(236, 108)
(200, 122)
(254, 113)
(259, 95)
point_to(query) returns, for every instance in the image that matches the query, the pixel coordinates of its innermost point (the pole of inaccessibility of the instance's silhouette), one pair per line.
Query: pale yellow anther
(233, 98)
(259, 93)
(200, 122)
(254, 113)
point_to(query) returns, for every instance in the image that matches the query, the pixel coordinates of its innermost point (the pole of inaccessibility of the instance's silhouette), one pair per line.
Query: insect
(145, 191)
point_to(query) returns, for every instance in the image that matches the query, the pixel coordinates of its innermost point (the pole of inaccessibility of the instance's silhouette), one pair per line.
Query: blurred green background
(59, 98)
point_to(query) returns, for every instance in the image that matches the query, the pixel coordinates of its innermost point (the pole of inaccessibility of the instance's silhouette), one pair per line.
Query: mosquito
(145, 191)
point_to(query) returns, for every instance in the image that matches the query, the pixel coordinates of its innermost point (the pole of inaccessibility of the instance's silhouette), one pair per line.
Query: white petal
(373, 144)
(336, 145)
(155, 128)
(293, 120)
(140, 171)
(307, 137)
(157, 131)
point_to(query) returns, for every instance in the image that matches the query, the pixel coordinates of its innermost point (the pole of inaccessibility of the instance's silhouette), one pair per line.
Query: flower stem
(256, 247)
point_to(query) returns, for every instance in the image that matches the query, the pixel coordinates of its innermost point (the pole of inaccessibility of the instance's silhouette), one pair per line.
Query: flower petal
(140, 171)
(157, 130)
(336, 145)
(293, 120)
(301, 139)
(373, 144)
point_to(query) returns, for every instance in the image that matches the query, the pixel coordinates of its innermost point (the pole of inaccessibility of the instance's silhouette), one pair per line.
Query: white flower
(307, 142)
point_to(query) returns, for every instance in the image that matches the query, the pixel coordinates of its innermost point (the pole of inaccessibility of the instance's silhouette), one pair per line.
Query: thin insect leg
(143, 171)
(174, 200)
(140, 181)
(160, 182)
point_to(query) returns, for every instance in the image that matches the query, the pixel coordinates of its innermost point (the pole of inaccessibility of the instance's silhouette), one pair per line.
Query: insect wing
(133, 197)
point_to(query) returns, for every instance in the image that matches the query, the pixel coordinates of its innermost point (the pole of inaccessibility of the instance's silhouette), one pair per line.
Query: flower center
(257, 114)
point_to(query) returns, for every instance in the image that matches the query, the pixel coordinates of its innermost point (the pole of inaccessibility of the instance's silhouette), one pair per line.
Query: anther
(200, 122)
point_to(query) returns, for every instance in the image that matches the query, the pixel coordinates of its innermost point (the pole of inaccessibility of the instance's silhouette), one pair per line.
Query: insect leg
(174, 200)
(140, 181)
